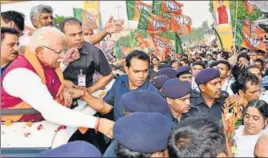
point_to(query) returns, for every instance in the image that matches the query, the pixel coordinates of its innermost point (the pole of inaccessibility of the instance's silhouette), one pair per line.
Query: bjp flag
(161, 46)
(250, 7)
(170, 6)
(134, 9)
(181, 24)
(252, 41)
(153, 23)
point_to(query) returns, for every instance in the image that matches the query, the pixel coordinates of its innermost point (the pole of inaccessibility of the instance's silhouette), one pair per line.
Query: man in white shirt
(196, 68)
(225, 70)
(47, 49)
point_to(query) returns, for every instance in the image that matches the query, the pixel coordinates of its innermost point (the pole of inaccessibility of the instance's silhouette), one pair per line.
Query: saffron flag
(253, 41)
(167, 7)
(134, 9)
(161, 44)
(250, 7)
(153, 23)
(162, 47)
(181, 24)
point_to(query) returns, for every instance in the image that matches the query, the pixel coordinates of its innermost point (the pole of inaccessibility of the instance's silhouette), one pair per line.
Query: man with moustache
(177, 94)
(210, 100)
(91, 58)
(9, 46)
(224, 68)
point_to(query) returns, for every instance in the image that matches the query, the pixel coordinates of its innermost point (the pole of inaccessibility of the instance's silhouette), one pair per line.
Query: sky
(197, 10)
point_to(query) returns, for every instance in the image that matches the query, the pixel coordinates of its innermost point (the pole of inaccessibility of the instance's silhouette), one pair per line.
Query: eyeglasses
(57, 52)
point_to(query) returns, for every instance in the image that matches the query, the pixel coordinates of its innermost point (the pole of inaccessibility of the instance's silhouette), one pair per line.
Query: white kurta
(245, 144)
(25, 84)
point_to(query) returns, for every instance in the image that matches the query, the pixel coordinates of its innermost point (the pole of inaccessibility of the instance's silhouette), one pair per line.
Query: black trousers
(97, 139)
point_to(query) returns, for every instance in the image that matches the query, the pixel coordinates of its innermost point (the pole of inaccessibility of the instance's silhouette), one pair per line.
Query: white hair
(38, 38)
(37, 10)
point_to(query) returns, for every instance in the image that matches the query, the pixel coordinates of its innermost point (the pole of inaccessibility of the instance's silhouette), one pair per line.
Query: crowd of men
(170, 108)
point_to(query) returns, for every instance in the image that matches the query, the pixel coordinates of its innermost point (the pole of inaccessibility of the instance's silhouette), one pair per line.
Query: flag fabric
(161, 44)
(253, 41)
(162, 47)
(152, 23)
(167, 7)
(87, 18)
(134, 9)
(250, 7)
(181, 24)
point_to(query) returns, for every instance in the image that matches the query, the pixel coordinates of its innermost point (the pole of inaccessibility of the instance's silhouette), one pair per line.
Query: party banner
(250, 6)
(167, 7)
(85, 17)
(161, 44)
(152, 23)
(181, 24)
(250, 41)
(90, 13)
(223, 24)
(134, 9)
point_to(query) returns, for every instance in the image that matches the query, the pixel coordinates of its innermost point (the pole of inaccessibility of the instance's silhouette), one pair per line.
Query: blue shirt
(119, 88)
(3, 69)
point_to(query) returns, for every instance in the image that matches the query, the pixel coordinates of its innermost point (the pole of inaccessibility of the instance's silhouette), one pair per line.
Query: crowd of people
(170, 108)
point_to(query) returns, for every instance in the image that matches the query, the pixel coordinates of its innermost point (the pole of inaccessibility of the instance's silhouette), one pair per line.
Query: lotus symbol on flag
(253, 41)
(250, 3)
(159, 43)
(140, 6)
(172, 6)
(182, 20)
(158, 24)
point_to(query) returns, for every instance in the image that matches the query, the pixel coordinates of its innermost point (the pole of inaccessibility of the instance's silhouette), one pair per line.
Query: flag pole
(236, 5)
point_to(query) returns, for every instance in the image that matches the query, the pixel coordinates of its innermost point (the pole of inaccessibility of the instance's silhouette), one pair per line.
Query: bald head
(261, 147)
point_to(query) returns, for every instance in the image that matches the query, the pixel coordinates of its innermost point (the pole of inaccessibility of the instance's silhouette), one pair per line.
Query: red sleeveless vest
(52, 77)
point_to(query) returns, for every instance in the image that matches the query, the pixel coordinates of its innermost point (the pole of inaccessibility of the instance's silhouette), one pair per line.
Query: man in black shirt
(91, 58)
(209, 101)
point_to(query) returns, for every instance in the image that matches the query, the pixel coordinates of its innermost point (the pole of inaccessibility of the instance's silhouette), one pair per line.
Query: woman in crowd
(255, 120)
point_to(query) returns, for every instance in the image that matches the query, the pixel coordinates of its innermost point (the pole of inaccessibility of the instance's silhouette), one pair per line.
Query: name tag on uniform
(81, 79)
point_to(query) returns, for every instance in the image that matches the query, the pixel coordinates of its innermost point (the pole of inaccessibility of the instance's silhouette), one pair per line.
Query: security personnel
(140, 101)
(73, 149)
(184, 73)
(144, 101)
(142, 134)
(209, 101)
(159, 81)
(177, 94)
(171, 73)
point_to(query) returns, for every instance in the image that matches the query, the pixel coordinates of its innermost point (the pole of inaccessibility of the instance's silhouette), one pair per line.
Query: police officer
(159, 81)
(171, 73)
(184, 73)
(73, 149)
(142, 135)
(177, 94)
(209, 101)
(140, 101)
